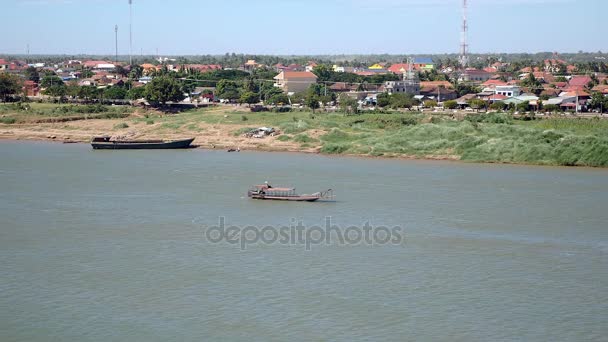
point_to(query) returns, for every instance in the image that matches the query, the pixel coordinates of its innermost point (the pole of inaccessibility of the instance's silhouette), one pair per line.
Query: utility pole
(116, 42)
(130, 33)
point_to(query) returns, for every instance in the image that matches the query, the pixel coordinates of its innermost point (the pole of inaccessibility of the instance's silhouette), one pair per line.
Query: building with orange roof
(294, 81)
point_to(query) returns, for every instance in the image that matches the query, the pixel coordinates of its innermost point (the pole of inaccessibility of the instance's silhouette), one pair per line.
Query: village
(547, 86)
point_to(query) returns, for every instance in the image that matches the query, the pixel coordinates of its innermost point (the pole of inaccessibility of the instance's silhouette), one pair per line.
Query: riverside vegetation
(493, 137)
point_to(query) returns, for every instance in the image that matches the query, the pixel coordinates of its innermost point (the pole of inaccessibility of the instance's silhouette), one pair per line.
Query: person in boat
(268, 185)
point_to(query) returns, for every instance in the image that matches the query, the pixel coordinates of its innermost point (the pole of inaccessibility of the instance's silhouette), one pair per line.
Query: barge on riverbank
(106, 143)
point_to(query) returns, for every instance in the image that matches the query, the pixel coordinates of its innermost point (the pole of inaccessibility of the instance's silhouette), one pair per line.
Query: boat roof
(272, 188)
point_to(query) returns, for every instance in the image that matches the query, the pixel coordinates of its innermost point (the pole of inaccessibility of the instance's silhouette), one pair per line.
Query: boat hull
(286, 198)
(135, 145)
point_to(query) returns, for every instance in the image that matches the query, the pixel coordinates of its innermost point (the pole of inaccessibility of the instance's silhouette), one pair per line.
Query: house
(439, 93)
(474, 75)
(554, 65)
(145, 79)
(402, 87)
(578, 82)
(399, 68)
(295, 81)
(376, 66)
(423, 63)
(203, 67)
(340, 87)
(338, 68)
(99, 65)
(310, 66)
(147, 68)
(4, 64)
(507, 90)
(492, 84)
(602, 88)
(85, 82)
(31, 88)
(497, 97)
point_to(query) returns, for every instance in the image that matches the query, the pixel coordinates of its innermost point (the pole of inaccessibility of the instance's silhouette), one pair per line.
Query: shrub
(450, 104)
(121, 125)
(244, 118)
(284, 138)
(8, 120)
(303, 138)
(335, 148)
(149, 122)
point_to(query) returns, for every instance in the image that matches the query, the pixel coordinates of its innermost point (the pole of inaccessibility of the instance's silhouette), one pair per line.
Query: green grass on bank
(41, 112)
(480, 137)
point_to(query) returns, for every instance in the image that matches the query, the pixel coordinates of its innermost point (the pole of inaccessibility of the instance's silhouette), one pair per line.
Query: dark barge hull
(286, 198)
(141, 145)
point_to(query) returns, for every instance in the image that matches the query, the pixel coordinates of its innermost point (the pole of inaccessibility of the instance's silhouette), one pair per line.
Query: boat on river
(269, 192)
(106, 143)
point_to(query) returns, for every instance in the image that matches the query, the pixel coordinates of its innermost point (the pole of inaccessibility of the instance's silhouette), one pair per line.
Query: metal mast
(130, 34)
(464, 47)
(116, 43)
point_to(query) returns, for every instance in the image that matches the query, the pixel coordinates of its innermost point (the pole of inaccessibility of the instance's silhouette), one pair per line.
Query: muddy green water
(110, 246)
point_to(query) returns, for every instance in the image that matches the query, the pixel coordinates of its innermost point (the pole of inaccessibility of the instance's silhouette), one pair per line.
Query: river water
(112, 245)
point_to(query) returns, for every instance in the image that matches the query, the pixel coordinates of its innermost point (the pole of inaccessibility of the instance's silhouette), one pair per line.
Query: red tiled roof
(298, 74)
(494, 83)
(92, 64)
(445, 84)
(398, 68)
(576, 81)
(579, 93)
(3, 61)
(497, 97)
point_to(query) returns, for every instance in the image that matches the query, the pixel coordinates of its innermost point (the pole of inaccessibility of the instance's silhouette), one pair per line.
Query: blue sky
(301, 26)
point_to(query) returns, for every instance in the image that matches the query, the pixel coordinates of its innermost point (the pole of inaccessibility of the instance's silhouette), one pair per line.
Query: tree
(323, 71)
(450, 104)
(50, 80)
(9, 85)
(383, 100)
(348, 104)
(532, 83)
(120, 70)
(498, 105)
(136, 93)
(88, 92)
(551, 108)
(477, 104)
(31, 74)
(250, 85)
(57, 90)
(136, 72)
(523, 106)
(598, 101)
(227, 90)
(249, 97)
(430, 103)
(401, 101)
(312, 101)
(466, 88)
(278, 98)
(163, 89)
(86, 73)
(115, 93)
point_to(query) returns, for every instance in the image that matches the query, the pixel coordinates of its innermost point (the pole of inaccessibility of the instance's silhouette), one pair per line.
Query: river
(114, 245)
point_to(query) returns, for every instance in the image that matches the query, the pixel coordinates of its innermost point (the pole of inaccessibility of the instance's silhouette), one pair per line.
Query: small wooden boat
(106, 143)
(268, 192)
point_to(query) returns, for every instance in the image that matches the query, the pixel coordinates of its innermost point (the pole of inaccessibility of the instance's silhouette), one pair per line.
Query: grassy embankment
(493, 138)
(23, 113)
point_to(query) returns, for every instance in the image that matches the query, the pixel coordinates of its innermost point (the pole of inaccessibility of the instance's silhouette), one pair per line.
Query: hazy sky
(301, 26)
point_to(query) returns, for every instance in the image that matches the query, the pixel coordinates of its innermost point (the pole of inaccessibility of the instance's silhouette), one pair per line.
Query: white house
(508, 90)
